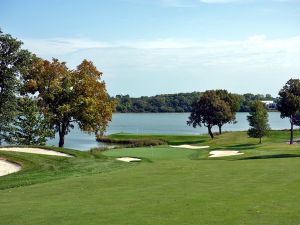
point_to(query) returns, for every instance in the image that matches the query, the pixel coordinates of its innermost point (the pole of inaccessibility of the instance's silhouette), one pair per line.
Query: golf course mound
(7, 167)
(36, 151)
(189, 146)
(223, 153)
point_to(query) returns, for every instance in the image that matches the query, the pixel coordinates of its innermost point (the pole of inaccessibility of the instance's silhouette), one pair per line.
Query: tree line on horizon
(177, 103)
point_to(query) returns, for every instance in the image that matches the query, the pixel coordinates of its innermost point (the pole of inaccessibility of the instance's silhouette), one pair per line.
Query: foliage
(70, 96)
(258, 120)
(248, 99)
(13, 61)
(131, 143)
(181, 102)
(209, 110)
(297, 119)
(233, 101)
(289, 103)
(31, 128)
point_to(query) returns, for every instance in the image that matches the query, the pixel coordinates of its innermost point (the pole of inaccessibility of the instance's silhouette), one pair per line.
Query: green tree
(70, 96)
(182, 102)
(258, 120)
(289, 103)
(13, 61)
(208, 110)
(297, 119)
(31, 128)
(233, 102)
(269, 97)
(248, 99)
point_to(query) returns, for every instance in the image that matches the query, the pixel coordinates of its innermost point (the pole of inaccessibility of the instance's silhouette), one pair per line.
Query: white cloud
(182, 65)
(58, 46)
(254, 50)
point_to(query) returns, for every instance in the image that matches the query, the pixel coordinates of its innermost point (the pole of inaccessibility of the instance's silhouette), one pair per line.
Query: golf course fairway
(168, 186)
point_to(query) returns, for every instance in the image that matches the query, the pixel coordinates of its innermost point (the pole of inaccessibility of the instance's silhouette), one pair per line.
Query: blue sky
(148, 47)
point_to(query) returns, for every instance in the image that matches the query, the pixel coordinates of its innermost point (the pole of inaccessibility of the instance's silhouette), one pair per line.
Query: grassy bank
(170, 186)
(44, 168)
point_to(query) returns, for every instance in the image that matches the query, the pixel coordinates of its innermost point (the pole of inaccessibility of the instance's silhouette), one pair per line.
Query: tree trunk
(0, 137)
(259, 140)
(61, 140)
(220, 129)
(210, 133)
(292, 131)
(62, 133)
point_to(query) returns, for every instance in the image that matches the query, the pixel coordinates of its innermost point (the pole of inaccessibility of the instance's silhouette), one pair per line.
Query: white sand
(36, 151)
(188, 146)
(8, 167)
(224, 153)
(128, 159)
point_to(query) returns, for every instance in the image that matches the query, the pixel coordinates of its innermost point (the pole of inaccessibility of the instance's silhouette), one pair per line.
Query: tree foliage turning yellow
(70, 96)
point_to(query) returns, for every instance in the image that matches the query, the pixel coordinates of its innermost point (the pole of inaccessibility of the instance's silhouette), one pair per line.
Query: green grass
(170, 186)
(170, 139)
(152, 154)
(43, 168)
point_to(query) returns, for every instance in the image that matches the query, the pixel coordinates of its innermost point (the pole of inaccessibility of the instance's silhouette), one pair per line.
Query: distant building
(270, 105)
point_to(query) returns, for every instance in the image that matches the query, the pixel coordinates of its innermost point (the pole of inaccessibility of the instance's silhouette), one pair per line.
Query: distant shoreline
(178, 103)
(176, 112)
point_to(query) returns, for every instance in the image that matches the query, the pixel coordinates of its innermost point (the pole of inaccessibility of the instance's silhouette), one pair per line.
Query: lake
(158, 123)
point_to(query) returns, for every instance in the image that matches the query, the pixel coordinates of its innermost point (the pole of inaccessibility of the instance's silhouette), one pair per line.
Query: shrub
(132, 143)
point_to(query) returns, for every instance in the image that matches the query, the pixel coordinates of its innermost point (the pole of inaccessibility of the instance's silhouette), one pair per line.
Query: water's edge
(158, 123)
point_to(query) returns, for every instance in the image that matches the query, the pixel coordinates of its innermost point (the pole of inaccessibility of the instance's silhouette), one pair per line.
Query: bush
(132, 143)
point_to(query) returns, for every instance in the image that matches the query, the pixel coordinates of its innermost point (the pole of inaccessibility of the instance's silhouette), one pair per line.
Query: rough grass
(170, 186)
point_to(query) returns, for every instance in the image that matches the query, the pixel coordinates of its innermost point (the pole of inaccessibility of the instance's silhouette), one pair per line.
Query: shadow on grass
(243, 146)
(185, 142)
(278, 156)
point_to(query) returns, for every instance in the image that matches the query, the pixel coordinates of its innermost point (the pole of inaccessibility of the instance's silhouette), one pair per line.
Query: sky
(149, 47)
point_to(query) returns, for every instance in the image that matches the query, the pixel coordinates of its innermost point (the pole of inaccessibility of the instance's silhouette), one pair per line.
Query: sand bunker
(128, 159)
(36, 151)
(188, 146)
(8, 167)
(224, 153)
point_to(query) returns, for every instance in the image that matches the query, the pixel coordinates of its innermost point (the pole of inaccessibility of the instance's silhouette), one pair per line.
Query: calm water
(158, 123)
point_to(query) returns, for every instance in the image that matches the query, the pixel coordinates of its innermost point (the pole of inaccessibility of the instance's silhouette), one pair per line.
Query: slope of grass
(44, 168)
(170, 186)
